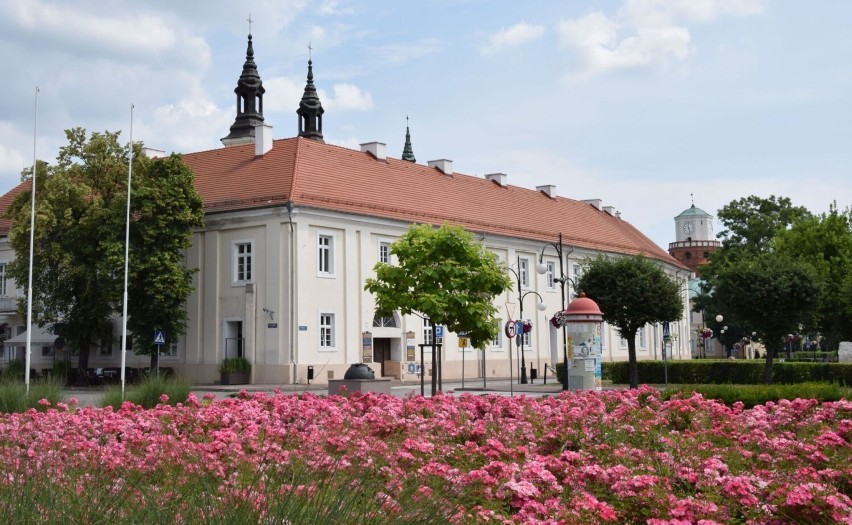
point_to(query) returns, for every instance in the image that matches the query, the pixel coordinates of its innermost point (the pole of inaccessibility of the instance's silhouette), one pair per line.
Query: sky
(645, 104)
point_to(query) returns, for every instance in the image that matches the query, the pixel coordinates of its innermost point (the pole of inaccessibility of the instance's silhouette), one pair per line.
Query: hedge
(730, 371)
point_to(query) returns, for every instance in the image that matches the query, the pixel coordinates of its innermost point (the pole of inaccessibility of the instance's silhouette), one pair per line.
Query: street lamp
(541, 307)
(541, 268)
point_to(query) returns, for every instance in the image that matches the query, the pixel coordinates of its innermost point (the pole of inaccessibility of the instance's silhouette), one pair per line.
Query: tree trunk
(83, 364)
(155, 363)
(631, 360)
(767, 369)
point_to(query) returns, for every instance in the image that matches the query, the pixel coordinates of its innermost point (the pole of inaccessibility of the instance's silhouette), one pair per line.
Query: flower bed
(610, 457)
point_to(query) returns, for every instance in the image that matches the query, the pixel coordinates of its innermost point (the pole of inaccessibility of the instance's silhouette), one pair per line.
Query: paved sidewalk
(92, 396)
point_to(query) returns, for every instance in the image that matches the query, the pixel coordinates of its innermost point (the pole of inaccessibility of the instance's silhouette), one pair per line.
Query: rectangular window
(326, 327)
(2, 279)
(642, 343)
(498, 339)
(384, 252)
(47, 351)
(551, 275)
(169, 350)
(427, 331)
(527, 340)
(325, 255)
(524, 272)
(243, 262)
(578, 273)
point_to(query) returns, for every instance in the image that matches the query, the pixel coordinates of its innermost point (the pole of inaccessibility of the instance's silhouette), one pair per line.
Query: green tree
(442, 274)
(772, 294)
(825, 242)
(632, 292)
(78, 263)
(752, 222)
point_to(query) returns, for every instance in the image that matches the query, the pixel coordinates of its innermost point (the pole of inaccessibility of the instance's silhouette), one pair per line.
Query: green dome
(692, 211)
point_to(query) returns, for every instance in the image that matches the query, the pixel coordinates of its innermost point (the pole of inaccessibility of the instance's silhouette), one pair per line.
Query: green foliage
(235, 365)
(806, 355)
(14, 397)
(631, 292)
(78, 264)
(825, 243)
(751, 223)
(443, 274)
(753, 395)
(729, 371)
(147, 392)
(770, 293)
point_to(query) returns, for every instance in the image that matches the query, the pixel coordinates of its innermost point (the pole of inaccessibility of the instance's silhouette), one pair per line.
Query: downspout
(294, 351)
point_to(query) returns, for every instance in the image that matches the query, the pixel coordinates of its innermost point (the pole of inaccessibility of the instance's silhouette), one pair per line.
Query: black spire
(310, 110)
(407, 152)
(249, 92)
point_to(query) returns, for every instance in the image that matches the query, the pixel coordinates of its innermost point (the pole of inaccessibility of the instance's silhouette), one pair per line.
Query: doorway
(381, 352)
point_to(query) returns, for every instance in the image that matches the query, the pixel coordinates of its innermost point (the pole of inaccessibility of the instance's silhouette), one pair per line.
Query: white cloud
(513, 36)
(347, 97)
(645, 33)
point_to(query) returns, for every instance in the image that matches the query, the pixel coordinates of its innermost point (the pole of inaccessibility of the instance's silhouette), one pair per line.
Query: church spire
(407, 152)
(249, 92)
(310, 109)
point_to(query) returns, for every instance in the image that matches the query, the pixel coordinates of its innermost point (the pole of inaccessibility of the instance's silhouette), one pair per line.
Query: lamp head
(541, 306)
(719, 318)
(541, 268)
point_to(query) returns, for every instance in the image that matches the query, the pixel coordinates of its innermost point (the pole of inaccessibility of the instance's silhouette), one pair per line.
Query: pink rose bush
(577, 458)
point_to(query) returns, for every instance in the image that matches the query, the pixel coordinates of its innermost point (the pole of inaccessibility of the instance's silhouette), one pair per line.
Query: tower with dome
(694, 239)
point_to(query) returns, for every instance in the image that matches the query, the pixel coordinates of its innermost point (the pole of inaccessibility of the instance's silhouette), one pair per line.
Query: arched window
(385, 321)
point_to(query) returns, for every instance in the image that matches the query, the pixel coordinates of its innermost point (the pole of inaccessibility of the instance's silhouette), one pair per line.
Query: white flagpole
(32, 231)
(126, 259)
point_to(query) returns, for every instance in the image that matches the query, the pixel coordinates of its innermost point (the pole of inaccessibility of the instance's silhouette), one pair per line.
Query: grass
(14, 397)
(147, 393)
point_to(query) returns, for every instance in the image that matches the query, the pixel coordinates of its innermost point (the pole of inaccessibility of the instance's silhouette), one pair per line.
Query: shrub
(730, 371)
(753, 395)
(148, 392)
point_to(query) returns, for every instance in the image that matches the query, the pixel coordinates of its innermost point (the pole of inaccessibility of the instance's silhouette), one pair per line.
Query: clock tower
(694, 239)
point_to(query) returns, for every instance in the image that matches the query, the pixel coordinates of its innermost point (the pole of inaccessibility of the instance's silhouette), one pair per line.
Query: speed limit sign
(511, 329)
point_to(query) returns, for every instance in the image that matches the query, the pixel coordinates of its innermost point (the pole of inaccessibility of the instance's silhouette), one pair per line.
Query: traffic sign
(439, 330)
(463, 342)
(511, 329)
(159, 337)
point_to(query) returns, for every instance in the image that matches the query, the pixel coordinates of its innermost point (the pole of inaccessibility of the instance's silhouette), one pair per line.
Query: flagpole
(32, 238)
(126, 259)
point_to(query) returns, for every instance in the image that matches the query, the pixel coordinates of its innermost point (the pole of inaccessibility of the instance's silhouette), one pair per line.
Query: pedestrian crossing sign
(159, 337)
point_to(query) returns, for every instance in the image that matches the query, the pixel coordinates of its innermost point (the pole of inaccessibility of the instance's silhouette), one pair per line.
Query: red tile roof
(335, 178)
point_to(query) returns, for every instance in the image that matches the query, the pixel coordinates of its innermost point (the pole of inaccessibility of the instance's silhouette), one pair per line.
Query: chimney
(446, 166)
(594, 202)
(609, 209)
(262, 139)
(547, 189)
(152, 153)
(618, 215)
(499, 178)
(376, 149)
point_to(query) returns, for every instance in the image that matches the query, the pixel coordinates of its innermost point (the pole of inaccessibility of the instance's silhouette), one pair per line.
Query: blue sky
(637, 102)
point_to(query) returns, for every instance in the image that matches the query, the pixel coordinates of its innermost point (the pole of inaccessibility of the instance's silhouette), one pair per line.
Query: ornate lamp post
(541, 268)
(522, 329)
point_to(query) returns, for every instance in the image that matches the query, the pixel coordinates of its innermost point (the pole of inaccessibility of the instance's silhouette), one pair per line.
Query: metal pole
(126, 263)
(564, 328)
(32, 241)
(434, 359)
(422, 373)
(462, 349)
(523, 378)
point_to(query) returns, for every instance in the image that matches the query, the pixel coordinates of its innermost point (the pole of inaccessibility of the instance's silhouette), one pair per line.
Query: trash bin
(533, 374)
(310, 373)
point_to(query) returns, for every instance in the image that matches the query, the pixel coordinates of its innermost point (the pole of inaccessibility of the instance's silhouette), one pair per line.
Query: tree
(752, 222)
(825, 242)
(442, 274)
(772, 294)
(78, 263)
(631, 292)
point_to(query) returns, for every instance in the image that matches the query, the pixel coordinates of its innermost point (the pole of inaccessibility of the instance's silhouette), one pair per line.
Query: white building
(293, 227)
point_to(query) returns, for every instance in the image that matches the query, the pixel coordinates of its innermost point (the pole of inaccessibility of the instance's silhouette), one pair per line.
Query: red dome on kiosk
(582, 309)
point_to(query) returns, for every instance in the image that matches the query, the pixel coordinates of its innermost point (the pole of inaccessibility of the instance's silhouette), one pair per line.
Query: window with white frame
(622, 343)
(326, 330)
(427, 331)
(243, 259)
(642, 342)
(550, 275)
(578, 273)
(384, 252)
(325, 254)
(524, 272)
(170, 350)
(2, 279)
